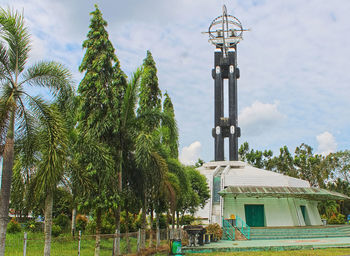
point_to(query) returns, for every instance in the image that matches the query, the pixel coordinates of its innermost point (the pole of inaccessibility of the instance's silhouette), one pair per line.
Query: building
(260, 197)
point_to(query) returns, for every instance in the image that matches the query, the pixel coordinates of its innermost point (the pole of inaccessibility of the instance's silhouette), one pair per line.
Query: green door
(303, 211)
(254, 215)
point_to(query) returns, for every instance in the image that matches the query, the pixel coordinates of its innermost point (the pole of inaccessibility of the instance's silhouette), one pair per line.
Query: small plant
(91, 227)
(81, 222)
(62, 221)
(33, 226)
(56, 230)
(186, 219)
(336, 219)
(216, 230)
(13, 226)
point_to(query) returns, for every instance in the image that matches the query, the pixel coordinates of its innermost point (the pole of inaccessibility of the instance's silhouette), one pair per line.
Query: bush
(56, 230)
(186, 219)
(62, 221)
(216, 230)
(81, 222)
(336, 219)
(13, 226)
(91, 227)
(162, 222)
(33, 226)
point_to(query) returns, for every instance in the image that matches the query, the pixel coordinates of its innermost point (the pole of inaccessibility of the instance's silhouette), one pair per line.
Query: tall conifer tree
(150, 94)
(101, 92)
(168, 139)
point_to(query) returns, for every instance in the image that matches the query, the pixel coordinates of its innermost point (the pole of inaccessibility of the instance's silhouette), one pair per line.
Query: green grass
(320, 252)
(61, 246)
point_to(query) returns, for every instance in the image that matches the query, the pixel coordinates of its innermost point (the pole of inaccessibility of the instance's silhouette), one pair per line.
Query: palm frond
(27, 131)
(130, 98)
(5, 71)
(51, 75)
(144, 149)
(16, 35)
(53, 147)
(160, 168)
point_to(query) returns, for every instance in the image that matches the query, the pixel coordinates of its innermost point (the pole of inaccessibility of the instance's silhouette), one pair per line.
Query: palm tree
(53, 145)
(18, 109)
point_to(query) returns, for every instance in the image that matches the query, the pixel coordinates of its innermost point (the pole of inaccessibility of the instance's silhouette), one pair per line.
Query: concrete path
(270, 245)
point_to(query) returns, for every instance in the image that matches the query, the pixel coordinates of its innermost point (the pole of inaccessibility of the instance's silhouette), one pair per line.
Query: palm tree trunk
(48, 223)
(116, 250)
(167, 224)
(74, 222)
(151, 229)
(143, 225)
(6, 178)
(173, 219)
(98, 231)
(127, 241)
(157, 231)
(177, 219)
(117, 216)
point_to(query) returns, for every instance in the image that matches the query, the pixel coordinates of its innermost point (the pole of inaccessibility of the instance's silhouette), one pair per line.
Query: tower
(225, 32)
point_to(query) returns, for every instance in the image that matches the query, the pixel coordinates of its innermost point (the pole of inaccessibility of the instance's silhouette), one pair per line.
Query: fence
(32, 244)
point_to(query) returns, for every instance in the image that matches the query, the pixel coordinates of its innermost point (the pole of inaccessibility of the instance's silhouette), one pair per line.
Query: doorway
(255, 215)
(303, 212)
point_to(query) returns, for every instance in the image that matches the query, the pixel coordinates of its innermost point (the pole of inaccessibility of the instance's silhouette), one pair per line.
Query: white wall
(278, 211)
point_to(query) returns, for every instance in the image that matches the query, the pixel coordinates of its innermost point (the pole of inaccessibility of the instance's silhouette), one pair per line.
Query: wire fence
(32, 244)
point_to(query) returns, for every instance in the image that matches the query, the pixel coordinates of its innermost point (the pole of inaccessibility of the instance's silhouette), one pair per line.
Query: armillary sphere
(225, 31)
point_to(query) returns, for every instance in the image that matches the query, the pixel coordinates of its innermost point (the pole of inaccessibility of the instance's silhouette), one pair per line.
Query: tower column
(233, 116)
(217, 131)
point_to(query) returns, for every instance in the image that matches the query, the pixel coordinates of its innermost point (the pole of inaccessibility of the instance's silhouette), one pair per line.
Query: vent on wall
(237, 166)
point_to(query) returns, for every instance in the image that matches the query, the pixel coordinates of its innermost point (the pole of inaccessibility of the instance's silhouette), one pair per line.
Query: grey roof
(317, 194)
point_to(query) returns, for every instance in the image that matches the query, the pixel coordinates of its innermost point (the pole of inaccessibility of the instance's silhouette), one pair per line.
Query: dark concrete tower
(225, 32)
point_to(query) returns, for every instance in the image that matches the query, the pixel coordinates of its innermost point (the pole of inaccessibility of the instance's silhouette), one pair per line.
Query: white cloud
(259, 117)
(189, 155)
(285, 56)
(326, 143)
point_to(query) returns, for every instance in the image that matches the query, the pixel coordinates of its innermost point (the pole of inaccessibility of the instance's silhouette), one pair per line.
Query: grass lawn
(61, 246)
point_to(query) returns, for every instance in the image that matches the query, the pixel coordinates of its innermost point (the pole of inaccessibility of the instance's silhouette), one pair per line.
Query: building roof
(238, 173)
(317, 194)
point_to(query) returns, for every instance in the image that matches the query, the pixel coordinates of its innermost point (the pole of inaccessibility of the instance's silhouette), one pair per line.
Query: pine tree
(150, 94)
(101, 93)
(169, 140)
(103, 83)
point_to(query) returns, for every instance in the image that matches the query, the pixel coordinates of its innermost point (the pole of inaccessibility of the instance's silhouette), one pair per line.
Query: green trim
(317, 194)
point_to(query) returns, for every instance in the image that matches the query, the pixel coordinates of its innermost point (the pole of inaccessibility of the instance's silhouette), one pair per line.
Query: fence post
(79, 242)
(138, 240)
(25, 244)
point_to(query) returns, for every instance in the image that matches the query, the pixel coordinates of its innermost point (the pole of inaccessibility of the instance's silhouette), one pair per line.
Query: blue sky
(294, 84)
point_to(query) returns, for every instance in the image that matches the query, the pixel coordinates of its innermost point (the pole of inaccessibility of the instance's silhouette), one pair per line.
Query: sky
(294, 84)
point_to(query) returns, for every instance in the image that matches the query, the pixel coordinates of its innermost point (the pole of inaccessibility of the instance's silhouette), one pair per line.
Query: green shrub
(33, 226)
(81, 222)
(186, 219)
(91, 227)
(62, 221)
(13, 226)
(56, 230)
(336, 219)
(107, 224)
(162, 222)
